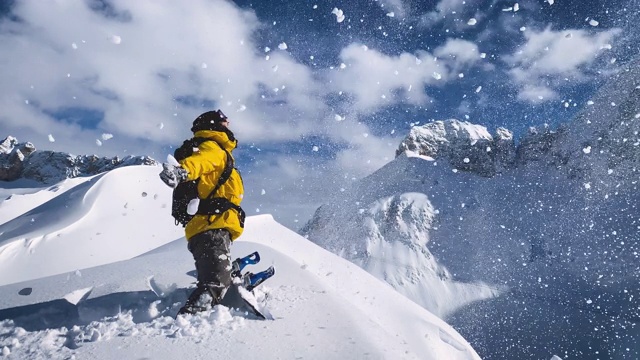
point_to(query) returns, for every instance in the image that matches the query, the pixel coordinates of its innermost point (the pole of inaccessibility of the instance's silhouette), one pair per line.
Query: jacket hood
(222, 138)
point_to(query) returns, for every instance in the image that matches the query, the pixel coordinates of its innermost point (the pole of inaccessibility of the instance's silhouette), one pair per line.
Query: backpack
(188, 190)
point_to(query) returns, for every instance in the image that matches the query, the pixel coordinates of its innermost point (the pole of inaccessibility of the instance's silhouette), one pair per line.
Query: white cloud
(455, 13)
(398, 7)
(548, 56)
(462, 52)
(376, 80)
(57, 63)
(536, 94)
(373, 78)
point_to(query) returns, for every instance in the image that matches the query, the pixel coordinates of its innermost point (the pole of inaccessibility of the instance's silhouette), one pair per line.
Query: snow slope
(324, 307)
(62, 233)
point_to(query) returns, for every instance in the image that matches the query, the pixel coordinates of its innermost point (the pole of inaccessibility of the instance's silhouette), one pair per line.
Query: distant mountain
(545, 233)
(21, 160)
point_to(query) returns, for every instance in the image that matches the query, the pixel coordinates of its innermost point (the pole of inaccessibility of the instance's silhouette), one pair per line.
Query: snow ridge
(23, 161)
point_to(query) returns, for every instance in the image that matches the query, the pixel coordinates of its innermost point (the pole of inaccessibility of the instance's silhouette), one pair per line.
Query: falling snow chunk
(339, 118)
(516, 7)
(315, 148)
(437, 76)
(267, 49)
(461, 75)
(106, 136)
(283, 46)
(365, 135)
(606, 46)
(116, 39)
(242, 108)
(550, 2)
(587, 150)
(593, 22)
(589, 301)
(587, 186)
(274, 68)
(483, 55)
(74, 46)
(478, 89)
(523, 28)
(455, 170)
(342, 66)
(472, 21)
(391, 14)
(339, 14)
(98, 142)
(589, 102)
(610, 171)
(51, 139)
(466, 160)
(263, 192)
(507, 9)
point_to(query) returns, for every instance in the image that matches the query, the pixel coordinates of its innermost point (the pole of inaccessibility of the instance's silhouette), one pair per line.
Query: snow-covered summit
(466, 146)
(22, 160)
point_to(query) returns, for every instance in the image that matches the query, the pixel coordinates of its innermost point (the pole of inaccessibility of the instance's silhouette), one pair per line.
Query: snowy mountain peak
(22, 160)
(466, 146)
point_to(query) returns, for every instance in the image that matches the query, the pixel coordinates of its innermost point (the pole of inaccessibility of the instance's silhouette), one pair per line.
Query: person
(210, 232)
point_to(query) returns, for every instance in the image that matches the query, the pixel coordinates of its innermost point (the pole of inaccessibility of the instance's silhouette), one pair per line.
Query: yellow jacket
(207, 164)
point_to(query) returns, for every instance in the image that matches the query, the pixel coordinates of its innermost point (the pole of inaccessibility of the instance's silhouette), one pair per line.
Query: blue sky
(328, 107)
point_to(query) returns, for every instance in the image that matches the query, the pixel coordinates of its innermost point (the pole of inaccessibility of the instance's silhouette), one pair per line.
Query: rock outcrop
(22, 160)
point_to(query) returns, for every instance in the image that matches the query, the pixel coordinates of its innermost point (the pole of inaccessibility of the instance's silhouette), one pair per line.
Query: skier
(219, 219)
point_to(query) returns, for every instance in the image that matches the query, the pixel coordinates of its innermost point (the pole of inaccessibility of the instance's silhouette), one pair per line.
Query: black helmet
(209, 121)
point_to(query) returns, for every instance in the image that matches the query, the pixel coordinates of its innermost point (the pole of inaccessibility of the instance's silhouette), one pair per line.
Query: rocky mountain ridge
(21, 160)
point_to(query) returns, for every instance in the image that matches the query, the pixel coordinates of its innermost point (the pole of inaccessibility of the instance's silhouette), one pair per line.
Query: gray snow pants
(211, 253)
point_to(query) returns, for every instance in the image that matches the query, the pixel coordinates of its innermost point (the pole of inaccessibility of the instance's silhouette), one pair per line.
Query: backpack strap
(212, 205)
(226, 173)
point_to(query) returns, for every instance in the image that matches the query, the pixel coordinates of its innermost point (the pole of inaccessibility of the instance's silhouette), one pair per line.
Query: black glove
(172, 175)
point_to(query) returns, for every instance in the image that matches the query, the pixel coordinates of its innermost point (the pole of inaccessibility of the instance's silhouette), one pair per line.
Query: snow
(472, 21)
(115, 39)
(106, 270)
(339, 14)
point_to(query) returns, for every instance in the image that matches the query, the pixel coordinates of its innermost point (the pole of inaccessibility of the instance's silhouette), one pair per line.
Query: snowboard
(240, 294)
